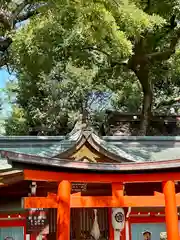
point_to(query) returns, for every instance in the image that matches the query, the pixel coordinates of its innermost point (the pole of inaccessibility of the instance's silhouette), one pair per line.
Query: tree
(152, 48)
(12, 13)
(51, 103)
(111, 36)
(155, 45)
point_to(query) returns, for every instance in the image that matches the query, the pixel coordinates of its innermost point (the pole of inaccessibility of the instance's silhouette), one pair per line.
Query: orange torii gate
(65, 172)
(64, 200)
(83, 157)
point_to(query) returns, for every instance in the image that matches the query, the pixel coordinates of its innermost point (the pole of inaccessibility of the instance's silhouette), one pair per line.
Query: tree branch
(30, 13)
(22, 12)
(96, 49)
(159, 56)
(123, 62)
(147, 8)
(165, 55)
(5, 19)
(19, 9)
(25, 16)
(168, 102)
(3, 61)
(5, 42)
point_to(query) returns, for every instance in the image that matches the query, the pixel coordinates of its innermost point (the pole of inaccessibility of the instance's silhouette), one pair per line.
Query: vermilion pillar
(63, 213)
(117, 190)
(111, 230)
(171, 210)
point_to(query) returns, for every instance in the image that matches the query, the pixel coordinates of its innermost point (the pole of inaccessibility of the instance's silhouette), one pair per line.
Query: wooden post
(111, 230)
(117, 191)
(63, 213)
(171, 210)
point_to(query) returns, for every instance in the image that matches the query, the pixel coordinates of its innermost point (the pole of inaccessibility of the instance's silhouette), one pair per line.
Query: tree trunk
(147, 88)
(146, 112)
(140, 65)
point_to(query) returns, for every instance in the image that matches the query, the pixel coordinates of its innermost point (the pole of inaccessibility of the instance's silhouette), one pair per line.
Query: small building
(81, 186)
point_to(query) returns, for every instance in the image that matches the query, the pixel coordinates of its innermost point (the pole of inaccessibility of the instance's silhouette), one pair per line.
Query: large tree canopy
(124, 44)
(12, 13)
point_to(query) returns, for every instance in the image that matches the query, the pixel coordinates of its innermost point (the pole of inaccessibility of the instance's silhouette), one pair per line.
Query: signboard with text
(37, 220)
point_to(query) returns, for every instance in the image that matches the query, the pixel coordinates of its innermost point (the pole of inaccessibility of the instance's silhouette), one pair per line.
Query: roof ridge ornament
(82, 124)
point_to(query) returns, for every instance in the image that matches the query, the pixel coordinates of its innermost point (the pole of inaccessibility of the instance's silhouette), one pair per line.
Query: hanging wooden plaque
(79, 187)
(37, 220)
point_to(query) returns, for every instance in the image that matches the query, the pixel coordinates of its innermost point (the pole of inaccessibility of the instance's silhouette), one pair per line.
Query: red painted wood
(171, 210)
(14, 215)
(99, 201)
(111, 230)
(13, 223)
(147, 220)
(63, 214)
(38, 175)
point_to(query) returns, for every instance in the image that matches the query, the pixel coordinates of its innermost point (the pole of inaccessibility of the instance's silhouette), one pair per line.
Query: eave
(11, 176)
(23, 161)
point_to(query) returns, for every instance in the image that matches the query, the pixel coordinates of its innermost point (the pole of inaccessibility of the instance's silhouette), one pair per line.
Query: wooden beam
(38, 175)
(91, 202)
(40, 202)
(10, 172)
(120, 201)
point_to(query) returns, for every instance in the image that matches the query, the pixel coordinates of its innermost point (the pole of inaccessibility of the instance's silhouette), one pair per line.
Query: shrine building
(82, 186)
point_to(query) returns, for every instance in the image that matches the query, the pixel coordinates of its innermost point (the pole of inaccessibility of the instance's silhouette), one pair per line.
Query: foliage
(12, 14)
(60, 97)
(80, 47)
(83, 26)
(16, 124)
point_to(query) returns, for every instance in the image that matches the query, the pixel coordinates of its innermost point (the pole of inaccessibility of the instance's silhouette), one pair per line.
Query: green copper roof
(31, 145)
(138, 148)
(149, 148)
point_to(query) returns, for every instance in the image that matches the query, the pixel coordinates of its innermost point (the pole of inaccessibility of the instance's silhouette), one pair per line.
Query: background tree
(123, 42)
(61, 96)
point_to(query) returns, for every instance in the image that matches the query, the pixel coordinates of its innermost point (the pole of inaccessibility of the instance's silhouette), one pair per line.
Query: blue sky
(4, 78)
(4, 75)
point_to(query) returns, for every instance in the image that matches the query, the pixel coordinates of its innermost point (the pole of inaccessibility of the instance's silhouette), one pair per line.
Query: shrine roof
(22, 161)
(120, 149)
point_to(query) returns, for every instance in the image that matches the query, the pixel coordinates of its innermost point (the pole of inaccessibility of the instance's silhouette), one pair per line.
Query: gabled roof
(112, 148)
(69, 148)
(81, 138)
(63, 165)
